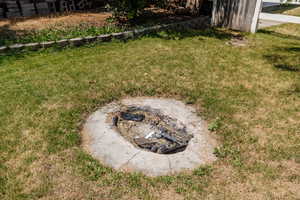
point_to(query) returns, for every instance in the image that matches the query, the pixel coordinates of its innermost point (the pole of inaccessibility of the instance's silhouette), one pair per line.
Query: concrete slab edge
(106, 145)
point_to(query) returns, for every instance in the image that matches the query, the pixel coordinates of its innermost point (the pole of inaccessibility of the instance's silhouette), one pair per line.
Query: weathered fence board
(28, 8)
(236, 14)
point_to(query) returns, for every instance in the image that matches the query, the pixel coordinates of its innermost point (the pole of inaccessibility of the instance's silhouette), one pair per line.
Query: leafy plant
(215, 125)
(131, 9)
(58, 33)
(203, 171)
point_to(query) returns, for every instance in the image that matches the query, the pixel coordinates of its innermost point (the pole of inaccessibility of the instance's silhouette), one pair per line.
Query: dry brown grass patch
(71, 19)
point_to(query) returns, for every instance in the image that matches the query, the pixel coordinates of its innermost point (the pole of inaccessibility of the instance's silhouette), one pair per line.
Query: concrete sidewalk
(267, 4)
(267, 23)
(267, 20)
(279, 18)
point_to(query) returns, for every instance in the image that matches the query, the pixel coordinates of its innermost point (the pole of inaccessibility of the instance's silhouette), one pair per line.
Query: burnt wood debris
(165, 135)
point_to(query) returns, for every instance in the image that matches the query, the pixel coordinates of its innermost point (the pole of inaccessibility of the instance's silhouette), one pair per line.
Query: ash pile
(150, 130)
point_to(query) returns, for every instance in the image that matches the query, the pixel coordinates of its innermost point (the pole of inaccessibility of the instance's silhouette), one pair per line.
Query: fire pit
(150, 130)
(148, 135)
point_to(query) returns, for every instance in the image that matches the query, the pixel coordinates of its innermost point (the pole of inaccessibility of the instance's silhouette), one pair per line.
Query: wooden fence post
(240, 15)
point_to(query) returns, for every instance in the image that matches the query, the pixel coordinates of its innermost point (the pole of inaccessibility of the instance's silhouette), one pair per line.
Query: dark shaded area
(234, 14)
(295, 49)
(229, 8)
(173, 34)
(283, 58)
(207, 8)
(284, 62)
(31, 8)
(132, 117)
(7, 34)
(287, 67)
(154, 16)
(279, 8)
(11, 55)
(283, 36)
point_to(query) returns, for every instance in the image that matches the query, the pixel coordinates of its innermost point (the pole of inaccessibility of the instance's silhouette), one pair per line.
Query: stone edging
(198, 22)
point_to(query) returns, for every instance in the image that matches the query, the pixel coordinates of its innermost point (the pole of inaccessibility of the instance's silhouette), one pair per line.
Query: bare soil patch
(68, 19)
(78, 24)
(95, 18)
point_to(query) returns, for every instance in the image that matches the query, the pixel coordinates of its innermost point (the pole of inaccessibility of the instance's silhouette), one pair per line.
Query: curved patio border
(104, 143)
(198, 22)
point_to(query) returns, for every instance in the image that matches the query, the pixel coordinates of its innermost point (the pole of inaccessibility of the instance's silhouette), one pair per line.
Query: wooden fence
(244, 15)
(284, 1)
(279, 17)
(28, 8)
(236, 14)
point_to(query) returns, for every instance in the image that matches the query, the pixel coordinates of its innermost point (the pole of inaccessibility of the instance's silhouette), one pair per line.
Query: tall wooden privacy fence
(237, 14)
(28, 8)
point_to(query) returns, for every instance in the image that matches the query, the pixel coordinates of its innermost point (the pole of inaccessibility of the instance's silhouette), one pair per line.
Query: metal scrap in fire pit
(149, 129)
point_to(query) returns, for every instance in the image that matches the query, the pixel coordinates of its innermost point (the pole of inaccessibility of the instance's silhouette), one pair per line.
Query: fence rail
(296, 2)
(269, 18)
(279, 18)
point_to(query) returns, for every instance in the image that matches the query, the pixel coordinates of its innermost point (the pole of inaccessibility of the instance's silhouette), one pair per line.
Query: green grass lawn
(56, 33)
(252, 93)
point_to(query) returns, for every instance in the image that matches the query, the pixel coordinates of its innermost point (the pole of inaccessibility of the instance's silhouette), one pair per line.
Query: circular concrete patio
(104, 142)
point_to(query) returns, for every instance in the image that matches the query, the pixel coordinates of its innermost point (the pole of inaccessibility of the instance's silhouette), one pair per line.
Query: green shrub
(131, 9)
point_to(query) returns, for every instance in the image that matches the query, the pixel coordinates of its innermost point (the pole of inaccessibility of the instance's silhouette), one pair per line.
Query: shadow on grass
(182, 34)
(283, 58)
(286, 67)
(280, 35)
(7, 34)
(11, 55)
(166, 35)
(280, 8)
(294, 49)
(283, 62)
(20, 54)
